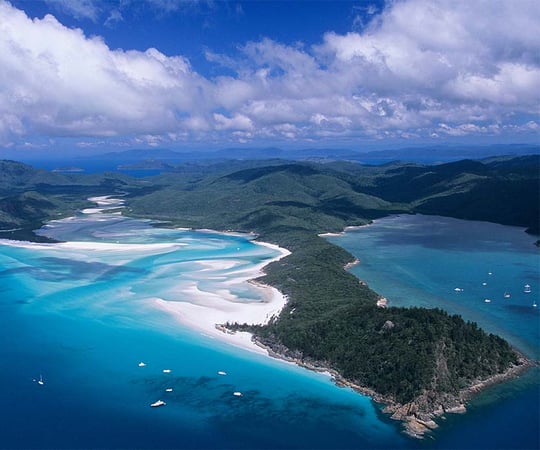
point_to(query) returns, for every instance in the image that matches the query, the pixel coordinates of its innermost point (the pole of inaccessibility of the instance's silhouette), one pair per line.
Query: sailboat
(40, 381)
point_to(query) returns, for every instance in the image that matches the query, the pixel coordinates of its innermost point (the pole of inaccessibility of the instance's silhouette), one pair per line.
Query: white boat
(487, 300)
(237, 394)
(141, 364)
(221, 372)
(527, 289)
(168, 390)
(158, 403)
(534, 305)
(458, 289)
(484, 284)
(166, 370)
(40, 381)
(506, 295)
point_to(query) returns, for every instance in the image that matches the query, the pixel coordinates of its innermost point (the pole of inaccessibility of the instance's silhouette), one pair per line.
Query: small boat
(487, 300)
(166, 370)
(506, 295)
(141, 364)
(40, 381)
(168, 390)
(237, 394)
(484, 284)
(221, 372)
(534, 305)
(158, 403)
(458, 289)
(527, 289)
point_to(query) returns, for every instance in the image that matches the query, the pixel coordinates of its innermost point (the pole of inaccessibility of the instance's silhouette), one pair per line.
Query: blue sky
(100, 75)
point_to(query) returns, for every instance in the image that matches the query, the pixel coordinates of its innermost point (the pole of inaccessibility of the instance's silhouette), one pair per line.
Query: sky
(106, 75)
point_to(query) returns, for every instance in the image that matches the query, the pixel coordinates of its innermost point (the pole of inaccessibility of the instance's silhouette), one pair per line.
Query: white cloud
(57, 81)
(466, 129)
(238, 122)
(114, 17)
(79, 9)
(419, 68)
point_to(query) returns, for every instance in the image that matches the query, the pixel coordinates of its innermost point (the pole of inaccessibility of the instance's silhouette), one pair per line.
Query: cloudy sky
(95, 75)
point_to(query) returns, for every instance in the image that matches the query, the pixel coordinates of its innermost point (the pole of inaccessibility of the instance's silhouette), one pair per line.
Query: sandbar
(206, 312)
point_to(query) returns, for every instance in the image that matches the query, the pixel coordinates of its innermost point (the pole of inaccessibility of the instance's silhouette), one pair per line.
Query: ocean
(81, 316)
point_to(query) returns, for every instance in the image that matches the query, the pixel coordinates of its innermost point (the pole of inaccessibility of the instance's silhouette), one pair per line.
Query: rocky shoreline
(418, 417)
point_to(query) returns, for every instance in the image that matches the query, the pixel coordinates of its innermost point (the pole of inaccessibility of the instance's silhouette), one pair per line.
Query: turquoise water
(421, 260)
(81, 316)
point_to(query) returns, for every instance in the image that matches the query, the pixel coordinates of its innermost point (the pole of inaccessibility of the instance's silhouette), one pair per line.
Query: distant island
(68, 170)
(420, 363)
(147, 164)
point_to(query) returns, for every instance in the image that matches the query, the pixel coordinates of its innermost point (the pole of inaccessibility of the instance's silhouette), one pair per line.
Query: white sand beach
(93, 246)
(104, 202)
(206, 311)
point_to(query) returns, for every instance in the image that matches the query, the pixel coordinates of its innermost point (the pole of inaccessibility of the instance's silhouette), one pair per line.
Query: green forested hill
(499, 190)
(270, 198)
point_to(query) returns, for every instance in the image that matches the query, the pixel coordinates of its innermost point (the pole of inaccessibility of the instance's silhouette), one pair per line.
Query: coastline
(419, 417)
(422, 415)
(209, 313)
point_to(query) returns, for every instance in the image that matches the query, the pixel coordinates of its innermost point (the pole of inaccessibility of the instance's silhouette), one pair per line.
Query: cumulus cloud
(419, 68)
(56, 81)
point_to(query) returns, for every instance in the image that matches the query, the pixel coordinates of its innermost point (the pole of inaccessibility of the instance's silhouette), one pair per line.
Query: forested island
(418, 362)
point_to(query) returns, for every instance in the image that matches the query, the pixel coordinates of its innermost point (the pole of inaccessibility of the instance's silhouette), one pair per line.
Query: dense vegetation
(331, 318)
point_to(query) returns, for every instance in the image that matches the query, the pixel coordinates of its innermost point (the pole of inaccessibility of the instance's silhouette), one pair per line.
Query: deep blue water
(81, 317)
(91, 165)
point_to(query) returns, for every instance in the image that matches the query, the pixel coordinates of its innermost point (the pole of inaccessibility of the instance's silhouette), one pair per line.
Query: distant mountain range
(414, 154)
(137, 161)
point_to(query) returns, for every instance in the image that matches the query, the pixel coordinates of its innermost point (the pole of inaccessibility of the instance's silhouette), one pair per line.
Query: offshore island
(420, 363)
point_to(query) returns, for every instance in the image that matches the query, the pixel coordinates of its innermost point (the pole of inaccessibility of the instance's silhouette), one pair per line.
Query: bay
(455, 265)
